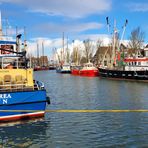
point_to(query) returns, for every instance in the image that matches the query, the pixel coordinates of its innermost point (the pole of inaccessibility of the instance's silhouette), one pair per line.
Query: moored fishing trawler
(21, 97)
(124, 67)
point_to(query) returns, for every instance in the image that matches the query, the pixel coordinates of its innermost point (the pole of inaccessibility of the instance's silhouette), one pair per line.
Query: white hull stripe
(21, 115)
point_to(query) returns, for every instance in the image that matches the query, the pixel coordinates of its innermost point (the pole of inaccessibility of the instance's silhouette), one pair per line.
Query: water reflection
(23, 133)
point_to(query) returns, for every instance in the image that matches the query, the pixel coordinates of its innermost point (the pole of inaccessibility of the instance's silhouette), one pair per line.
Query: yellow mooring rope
(80, 111)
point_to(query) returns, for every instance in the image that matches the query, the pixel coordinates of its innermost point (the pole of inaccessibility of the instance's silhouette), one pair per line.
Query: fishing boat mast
(67, 52)
(113, 59)
(63, 50)
(43, 52)
(38, 64)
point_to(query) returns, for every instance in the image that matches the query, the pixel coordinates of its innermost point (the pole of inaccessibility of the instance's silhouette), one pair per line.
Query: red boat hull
(86, 73)
(75, 72)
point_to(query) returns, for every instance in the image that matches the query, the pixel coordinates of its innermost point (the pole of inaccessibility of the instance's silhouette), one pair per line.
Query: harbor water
(84, 129)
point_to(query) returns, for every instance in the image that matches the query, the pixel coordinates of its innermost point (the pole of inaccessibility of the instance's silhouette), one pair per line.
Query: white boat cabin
(136, 63)
(89, 66)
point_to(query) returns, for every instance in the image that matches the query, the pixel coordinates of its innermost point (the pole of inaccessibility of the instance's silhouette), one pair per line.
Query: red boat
(88, 70)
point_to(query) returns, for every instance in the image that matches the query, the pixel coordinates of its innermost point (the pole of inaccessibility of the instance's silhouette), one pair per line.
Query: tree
(99, 43)
(76, 55)
(136, 40)
(87, 49)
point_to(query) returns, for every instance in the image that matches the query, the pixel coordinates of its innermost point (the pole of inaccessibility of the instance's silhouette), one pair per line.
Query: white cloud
(68, 8)
(49, 45)
(140, 7)
(70, 28)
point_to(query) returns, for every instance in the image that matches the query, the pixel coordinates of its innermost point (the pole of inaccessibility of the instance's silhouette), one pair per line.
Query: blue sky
(79, 19)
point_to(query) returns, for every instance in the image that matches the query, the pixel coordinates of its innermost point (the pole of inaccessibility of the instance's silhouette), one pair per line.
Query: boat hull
(22, 105)
(89, 73)
(86, 73)
(75, 72)
(126, 75)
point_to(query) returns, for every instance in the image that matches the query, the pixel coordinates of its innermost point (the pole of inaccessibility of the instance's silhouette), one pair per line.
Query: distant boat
(88, 70)
(52, 67)
(64, 69)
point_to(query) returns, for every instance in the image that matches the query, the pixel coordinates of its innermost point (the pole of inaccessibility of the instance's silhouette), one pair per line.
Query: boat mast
(38, 54)
(43, 52)
(63, 52)
(67, 52)
(114, 45)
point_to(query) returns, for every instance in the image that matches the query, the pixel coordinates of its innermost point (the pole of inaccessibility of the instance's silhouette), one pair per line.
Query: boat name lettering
(5, 96)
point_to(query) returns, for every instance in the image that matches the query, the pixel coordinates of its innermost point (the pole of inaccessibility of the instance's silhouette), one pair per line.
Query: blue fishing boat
(21, 97)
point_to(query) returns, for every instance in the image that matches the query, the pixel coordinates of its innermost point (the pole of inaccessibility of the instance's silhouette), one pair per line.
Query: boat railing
(15, 87)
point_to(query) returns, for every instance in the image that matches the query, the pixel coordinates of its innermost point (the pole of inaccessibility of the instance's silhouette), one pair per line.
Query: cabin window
(139, 63)
(129, 63)
(7, 47)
